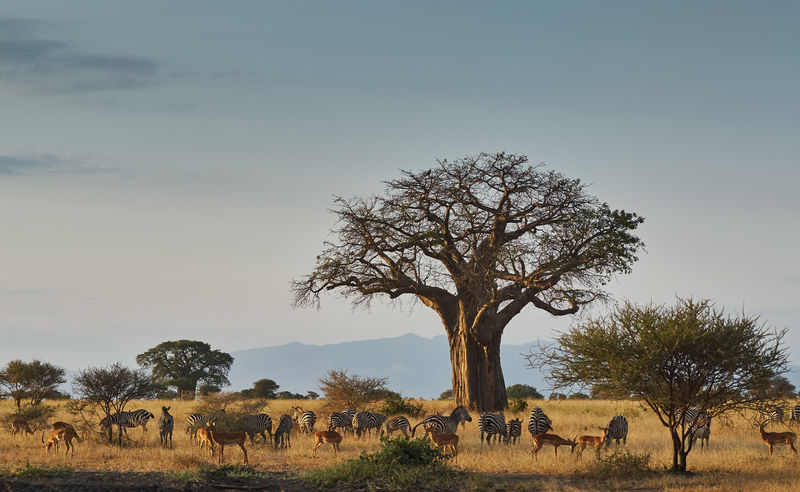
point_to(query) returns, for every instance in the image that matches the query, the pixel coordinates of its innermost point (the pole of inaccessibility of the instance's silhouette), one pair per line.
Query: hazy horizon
(167, 167)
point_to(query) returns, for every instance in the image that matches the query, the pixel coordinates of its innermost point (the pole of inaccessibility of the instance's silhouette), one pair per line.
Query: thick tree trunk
(478, 382)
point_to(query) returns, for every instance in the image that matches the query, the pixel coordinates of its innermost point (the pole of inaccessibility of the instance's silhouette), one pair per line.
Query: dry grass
(737, 458)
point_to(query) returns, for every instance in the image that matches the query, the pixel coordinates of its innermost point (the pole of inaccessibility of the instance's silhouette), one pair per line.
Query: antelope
(444, 440)
(203, 439)
(19, 425)
(773, 438)
(541, 439)
(595, 442)
(65, 434)
(326, 437)
(223, 438)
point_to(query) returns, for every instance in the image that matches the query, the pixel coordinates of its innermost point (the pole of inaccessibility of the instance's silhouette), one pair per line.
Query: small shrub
(518, 405)
(621, 464)
(31, 471)
(34, 414)
(394, 404)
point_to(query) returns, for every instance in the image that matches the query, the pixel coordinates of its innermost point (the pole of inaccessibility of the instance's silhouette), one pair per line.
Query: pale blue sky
(166, 167)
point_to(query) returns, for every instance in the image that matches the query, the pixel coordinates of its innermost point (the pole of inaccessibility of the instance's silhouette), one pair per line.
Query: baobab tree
(477, 240)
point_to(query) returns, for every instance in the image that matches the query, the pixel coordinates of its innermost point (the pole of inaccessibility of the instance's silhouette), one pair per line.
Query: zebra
(375, 421)
(340, 420)
(165, 425)
(305, 419)
(493, 424)
(776, 415)
(699, 425)
(258, 425)
(195, 420)
(282, 436)
(395, 424)
(617, 429)
(539, 422)
(513, 431)
(364, 422)
(128, 419)
(440, 423)
(795, 414)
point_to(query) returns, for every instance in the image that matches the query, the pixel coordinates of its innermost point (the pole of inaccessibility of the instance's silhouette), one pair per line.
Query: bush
(518, 405)
(345, 391)
(523, 391)
(400, 464)
(621, 464)
(34, 414)
(394, 404)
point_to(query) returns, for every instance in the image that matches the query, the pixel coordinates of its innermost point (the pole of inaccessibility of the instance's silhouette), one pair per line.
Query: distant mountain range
(415, 366)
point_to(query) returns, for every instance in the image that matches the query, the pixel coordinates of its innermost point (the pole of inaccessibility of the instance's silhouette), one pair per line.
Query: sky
(167, 168)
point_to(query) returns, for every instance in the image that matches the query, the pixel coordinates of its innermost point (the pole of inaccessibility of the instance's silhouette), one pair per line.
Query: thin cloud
(53, 65)
(28, 165)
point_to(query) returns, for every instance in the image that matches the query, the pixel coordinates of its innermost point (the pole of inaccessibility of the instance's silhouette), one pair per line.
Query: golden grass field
(737, 458)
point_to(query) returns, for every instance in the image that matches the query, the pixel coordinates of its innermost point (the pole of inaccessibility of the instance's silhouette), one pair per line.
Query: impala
(65, 434)
(773, 438)
(327, 437)
(221, 439)
(444, 440)
(19, 425)
(595, 442)
(541, 439)
(203, 439)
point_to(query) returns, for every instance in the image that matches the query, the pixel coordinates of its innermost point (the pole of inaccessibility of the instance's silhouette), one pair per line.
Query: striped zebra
(128, 419)
(493, 424)
(165, 425)
(776, 415)
(305, 419)
(699, 425)
(340, 420)
(514, 431)
(282, 433)
(258, 425)
(617, 429)
(196, 420)
(364, 422)
(795, 416)
(441, 423)
(539, 423)
(395, 424)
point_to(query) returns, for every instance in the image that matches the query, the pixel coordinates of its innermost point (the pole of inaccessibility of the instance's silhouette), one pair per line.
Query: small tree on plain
(35, 380)
(351, 391)
(111, 388)
(265, 388)
(671, 358)
(185, 363)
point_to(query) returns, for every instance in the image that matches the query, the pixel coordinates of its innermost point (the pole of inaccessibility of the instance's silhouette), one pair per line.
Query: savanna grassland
(736, 460)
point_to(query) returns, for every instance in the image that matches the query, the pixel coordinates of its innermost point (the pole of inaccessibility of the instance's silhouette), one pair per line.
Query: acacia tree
(477, 240)
(672, 358)
(35, 380)
(184, 363)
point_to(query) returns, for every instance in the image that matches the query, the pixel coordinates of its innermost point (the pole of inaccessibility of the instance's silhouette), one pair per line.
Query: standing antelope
(65, 434)
(773, 438)
(19, 425)
(326, 437)
(221, 439)
(203, 439)
(541, 439)
(444, 440)
(595, 442)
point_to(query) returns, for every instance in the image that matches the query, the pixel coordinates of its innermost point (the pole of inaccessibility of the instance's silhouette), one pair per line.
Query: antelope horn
(42, 437)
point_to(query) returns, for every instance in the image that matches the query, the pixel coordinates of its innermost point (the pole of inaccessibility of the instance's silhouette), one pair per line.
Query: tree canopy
(477, 240)
(35, 380)
(689, 356)
(185, 363)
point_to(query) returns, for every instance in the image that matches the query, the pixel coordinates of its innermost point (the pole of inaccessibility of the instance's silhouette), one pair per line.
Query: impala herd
(440, 429)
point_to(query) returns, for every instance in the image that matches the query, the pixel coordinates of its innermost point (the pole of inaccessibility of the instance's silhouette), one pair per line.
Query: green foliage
(207, 389)
(32, 471)
(265, 388)
(395, 404)
(35, 380)
(206, 473)
(184, 363)
(400, 464)
(288, 395)
(446, 395)
(345, 391)
(779, 387)
(518, 405)
(523, 391)
(34, 414)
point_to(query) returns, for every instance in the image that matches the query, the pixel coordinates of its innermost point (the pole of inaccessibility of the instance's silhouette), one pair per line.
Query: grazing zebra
(375, 421)
(776, 415)
(305, 419)
(514, 431)
(258, 425)
(340, 420)
(539, 422)
(128, 419)
(440, 423)
(364, 422)
(493, 424)
(195, 420)
(282, 437)
(617, 429)
(165, 425)
(699, 425)
(395, 424)
(795, 416)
